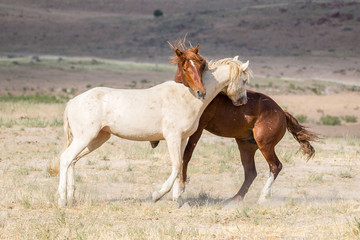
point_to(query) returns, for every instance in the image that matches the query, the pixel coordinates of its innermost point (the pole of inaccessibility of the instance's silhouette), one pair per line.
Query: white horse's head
(239, 75)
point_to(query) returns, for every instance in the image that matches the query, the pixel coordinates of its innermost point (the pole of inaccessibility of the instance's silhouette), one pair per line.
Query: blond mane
(235, 67)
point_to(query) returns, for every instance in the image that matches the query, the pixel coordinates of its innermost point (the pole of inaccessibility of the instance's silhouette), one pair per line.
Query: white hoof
(156, 196)
(264, 198)
(177, 192)
(180, 201)
(62, 202)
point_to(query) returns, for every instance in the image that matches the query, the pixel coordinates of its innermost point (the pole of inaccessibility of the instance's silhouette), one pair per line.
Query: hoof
(71, 203)
(154, 143)
(148, 198)
(62, 203)
(177, 193)
(156, 196)
(186, 206)
(263, 200)
(180, 201)
(232, 203)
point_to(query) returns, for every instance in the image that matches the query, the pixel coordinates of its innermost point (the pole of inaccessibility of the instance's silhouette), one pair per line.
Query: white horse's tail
(54, 166)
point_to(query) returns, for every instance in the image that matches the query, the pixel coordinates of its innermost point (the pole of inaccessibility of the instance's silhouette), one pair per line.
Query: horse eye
(185, 70)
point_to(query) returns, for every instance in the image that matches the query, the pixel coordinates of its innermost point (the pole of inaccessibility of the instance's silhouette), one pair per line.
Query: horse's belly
(136, 133)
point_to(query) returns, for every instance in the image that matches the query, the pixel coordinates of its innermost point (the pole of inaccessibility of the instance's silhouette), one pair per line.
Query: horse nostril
(200, 95)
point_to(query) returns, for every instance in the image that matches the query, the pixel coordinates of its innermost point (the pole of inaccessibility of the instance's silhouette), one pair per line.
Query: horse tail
(54, 167)
(303, 136)
(67, 128)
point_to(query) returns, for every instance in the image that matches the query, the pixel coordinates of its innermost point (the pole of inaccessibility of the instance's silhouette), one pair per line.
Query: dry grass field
(316, 199)
(304, 55)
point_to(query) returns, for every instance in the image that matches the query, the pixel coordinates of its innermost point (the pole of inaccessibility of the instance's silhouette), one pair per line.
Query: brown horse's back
(261, 119)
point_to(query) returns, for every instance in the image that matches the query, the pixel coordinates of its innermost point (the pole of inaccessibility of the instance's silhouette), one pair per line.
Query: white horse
(169, 111)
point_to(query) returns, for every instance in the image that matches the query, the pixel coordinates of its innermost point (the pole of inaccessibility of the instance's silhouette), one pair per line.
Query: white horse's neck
(214, 81)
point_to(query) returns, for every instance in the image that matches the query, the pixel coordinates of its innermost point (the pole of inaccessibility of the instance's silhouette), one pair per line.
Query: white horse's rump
(167, 111)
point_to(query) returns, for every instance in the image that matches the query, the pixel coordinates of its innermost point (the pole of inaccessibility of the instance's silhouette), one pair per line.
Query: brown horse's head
(190, 67)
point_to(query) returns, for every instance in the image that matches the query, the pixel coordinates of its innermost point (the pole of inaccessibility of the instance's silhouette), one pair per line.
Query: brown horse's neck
(179, 78)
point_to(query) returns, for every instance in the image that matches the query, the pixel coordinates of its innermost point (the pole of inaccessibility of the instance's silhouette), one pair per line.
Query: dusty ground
(318, 199)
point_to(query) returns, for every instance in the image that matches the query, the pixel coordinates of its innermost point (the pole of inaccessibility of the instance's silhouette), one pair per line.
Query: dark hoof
(154, 143)
(232, 203)
(180, 201)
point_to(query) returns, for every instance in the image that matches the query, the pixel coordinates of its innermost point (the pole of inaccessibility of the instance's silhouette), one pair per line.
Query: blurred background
(139, 29)
(305, 49)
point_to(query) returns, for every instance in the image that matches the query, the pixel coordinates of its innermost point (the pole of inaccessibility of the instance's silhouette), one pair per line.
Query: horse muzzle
(240, 102)
(201, 95)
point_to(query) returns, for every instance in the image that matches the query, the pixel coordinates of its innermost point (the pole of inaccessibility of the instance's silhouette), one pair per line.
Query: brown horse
(259, 124)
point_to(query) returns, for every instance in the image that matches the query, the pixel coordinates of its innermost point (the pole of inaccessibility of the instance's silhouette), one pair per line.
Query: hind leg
(275, 167)
(247, 153)
(101, 138)
(66, 160)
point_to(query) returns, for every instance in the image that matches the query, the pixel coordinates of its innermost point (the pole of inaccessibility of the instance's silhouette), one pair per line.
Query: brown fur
(189, 75)
(303, 136)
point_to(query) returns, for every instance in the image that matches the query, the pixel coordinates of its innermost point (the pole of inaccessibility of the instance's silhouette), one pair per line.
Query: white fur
(167, 111)
(266, 192)
(192, 63)
(245, 66)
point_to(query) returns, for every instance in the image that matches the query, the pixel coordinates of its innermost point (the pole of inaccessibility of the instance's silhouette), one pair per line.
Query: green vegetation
(31, 122)
(83, 63)
(320, 111)
(37, 98)
(350, 119)
(316, 178)
(346, 174)
(302, 118)
(330, 120)
(158, 13)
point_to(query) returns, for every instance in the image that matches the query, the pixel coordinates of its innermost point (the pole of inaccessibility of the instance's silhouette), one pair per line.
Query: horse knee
(280, 166)
(251, 175)
(276, 169)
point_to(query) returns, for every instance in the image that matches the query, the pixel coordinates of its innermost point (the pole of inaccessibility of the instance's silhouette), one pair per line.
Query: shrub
(350, 119)
(158, 13)
(330, 120)
(301, 118)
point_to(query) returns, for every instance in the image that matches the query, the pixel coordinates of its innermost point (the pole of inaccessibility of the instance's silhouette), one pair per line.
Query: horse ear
(196, 50)
(178, 52)
(244, 66)
(236, 58)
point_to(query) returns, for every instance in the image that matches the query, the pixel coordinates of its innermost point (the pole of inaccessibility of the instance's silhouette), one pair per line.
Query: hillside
(129, 30)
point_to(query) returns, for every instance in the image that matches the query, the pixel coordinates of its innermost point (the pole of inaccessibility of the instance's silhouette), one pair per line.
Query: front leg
(179, 185)
(175, 146)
